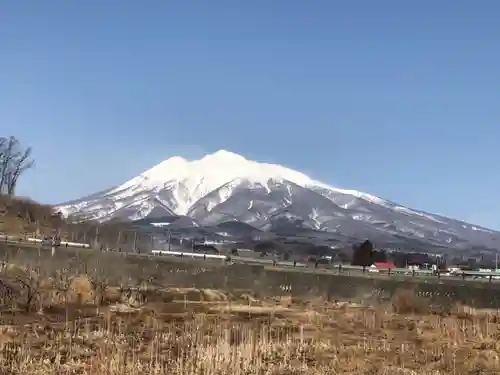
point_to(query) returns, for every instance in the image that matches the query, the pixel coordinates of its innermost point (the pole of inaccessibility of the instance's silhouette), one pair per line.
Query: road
(31, 242)
(347, 270)
(358, 271)
(355, 271)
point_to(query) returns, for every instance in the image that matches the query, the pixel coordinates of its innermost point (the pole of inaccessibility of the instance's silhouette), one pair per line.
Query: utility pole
(168, 234)
(169, 239)
(56, 239)
(135, 241)
(96, 241)
(118, 239)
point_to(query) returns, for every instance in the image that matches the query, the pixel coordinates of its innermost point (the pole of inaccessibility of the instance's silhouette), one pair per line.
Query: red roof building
(385, 265)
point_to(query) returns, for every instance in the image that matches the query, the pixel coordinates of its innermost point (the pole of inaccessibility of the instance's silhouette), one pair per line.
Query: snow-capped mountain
(224, 186)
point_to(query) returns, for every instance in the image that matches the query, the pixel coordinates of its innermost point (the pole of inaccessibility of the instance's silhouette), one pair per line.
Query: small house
(385, 265)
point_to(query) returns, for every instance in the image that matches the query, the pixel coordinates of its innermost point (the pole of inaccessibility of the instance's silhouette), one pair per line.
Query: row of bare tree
(14, 161)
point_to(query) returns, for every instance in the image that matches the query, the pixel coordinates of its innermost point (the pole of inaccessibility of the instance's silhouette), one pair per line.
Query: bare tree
(62, 284)
(100, 283)
(30, 281)
(14, 161)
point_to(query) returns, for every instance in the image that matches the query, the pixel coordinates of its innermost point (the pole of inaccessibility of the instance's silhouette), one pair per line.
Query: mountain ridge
(225, 186)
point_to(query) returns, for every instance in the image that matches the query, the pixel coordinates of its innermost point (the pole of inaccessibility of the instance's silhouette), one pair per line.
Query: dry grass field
(75, 324)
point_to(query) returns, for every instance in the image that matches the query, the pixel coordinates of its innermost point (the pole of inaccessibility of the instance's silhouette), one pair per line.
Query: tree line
(14, 161)
(365, 255)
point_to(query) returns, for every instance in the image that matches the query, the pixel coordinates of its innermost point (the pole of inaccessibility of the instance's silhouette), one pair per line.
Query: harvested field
(66, 321)
(231, 336)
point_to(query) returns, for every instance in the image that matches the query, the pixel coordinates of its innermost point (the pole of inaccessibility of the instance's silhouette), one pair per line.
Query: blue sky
(398, 99)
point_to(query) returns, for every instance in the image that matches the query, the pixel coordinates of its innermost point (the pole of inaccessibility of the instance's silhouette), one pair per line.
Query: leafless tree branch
(14, 161)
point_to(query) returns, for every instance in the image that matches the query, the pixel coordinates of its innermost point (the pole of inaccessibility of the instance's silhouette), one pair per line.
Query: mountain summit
(225, 186)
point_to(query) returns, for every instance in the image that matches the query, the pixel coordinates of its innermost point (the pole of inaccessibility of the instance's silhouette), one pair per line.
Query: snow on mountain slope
(188, 181)
(224, 186)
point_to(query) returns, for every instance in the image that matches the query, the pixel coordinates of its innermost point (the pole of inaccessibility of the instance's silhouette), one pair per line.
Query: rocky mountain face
(225, 187)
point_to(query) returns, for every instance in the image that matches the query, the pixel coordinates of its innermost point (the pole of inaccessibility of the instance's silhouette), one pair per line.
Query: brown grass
(22, 215)
(405, 301)
(191, 331)
(80, 290)
(76, 323)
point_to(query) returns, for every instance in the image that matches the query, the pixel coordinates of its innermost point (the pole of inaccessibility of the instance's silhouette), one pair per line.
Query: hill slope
(22, 215)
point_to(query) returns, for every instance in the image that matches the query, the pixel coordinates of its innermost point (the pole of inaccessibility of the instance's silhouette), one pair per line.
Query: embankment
(261, 280)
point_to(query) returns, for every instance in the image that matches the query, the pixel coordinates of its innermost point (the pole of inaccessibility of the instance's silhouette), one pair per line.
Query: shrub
(405, 301)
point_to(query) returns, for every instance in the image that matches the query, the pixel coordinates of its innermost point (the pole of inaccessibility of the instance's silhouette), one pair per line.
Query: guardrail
(33, 240)
(340, 268)
(386, 270)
